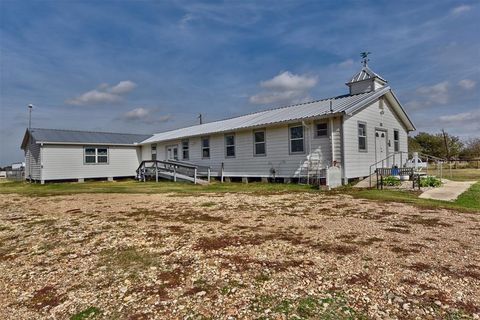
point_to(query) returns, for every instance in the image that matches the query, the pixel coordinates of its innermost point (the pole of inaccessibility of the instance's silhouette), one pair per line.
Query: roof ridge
(89, 131)
(266, 110)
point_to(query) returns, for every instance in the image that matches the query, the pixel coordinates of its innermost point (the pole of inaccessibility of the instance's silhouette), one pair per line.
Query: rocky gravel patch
(235, 256)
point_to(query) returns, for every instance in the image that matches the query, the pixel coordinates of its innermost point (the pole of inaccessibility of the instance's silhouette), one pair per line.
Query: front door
(172, 153)
(380, 147)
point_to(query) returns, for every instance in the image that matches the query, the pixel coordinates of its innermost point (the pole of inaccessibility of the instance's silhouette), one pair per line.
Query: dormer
(365, 81)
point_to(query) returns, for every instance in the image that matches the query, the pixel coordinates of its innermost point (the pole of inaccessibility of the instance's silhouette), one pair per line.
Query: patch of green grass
(334, 307)
(132, 186)
(208, 204)
(89, 313)
(458, 174)
(262, 277)
(129, 259)
(468, 201)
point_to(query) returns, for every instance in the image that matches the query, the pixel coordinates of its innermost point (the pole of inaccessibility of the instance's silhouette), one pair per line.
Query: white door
(381, 147)
(172, 153)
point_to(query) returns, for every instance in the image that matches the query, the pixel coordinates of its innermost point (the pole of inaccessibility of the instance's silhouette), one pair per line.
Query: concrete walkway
(449, 191)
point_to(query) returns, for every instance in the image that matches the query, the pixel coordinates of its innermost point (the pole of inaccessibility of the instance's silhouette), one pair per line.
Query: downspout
(343, 161)
(41, 163)
(331, 140)
(331, 134)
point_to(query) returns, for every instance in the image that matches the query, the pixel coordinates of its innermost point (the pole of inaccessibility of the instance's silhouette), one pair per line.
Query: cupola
(366, 80)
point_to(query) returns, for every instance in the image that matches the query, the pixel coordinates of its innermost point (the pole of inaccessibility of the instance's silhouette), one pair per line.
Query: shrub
(430, 182)
(391, 181)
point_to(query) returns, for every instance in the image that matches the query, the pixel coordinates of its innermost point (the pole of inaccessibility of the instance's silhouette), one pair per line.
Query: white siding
(67, 162)
(357, 163)
(246, 163)
(33, 156)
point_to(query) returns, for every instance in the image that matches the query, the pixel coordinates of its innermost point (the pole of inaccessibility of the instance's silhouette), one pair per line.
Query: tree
(434, 144)
(471, 149)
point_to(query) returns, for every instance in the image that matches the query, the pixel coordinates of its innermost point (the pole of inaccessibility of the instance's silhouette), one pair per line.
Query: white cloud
(461, 9)
(435, 94)
(144, 115)
(104, 94)
(346, 63)
(289, 81)
(467, 84)
(461, 118)
(122, 87)
(137, 114)
(286, 88)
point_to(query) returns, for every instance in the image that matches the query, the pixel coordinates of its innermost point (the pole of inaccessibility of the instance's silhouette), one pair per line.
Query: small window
(321, 130)
(362, 136)
(205, 147)
(259, 144)
(230, 146)
(102, 155)
(396, 140)
(96, 155)
(154, 152)
(185, 152)
(296, 140)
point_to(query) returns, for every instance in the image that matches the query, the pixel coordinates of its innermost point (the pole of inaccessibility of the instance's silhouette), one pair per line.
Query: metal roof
(92, 137)
(365, 74)
(314, 109)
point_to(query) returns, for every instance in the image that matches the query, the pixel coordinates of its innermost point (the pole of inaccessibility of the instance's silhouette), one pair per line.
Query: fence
(16, 175)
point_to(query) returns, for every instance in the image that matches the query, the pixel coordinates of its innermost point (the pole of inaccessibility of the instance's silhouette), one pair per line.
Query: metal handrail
(169, 166)
(420, 154)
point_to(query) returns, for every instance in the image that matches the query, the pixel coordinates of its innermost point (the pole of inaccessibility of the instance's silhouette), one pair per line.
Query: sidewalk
(449, 191)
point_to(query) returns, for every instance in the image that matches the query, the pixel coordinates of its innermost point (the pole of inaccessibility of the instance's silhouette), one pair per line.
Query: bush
(430, 182)
(391, 181)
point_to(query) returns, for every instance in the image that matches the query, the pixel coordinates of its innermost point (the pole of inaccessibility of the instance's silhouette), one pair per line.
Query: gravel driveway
(235, 256)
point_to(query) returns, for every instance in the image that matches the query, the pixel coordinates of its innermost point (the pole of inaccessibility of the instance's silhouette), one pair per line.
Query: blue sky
(150, 66)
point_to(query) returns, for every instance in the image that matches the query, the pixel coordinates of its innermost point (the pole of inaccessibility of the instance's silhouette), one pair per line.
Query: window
(230, 145)
(296, 139)
(321, 130)
(396, 140)
(362, 136)
(96, 155)
(206, 147)
(185, 153)
(154, 152)
(259, 144)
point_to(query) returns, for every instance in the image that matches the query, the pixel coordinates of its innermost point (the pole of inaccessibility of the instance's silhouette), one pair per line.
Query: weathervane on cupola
(365, 80)
(364, 56)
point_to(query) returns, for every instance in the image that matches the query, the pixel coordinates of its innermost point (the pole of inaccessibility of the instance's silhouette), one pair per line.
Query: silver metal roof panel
(74, 136)
(298, 112)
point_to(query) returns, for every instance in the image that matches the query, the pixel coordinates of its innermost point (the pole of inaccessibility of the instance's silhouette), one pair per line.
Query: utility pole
(446, 144)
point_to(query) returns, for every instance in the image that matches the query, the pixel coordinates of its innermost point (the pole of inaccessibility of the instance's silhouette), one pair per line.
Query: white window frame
(362, 136)
(290, 139)
(230, 145)
(316, 135)
(264, 142)
(396, 142)
(153, 149)
(187, 149)
(96, 155)
(205, 148)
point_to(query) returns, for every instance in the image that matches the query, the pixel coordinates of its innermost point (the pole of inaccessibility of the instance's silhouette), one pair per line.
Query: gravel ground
(235, 256)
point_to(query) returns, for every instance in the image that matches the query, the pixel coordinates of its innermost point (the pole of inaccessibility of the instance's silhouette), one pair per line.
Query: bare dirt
(235, 256)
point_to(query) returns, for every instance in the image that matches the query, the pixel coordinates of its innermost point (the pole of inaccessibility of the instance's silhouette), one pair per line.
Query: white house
(350, 132)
